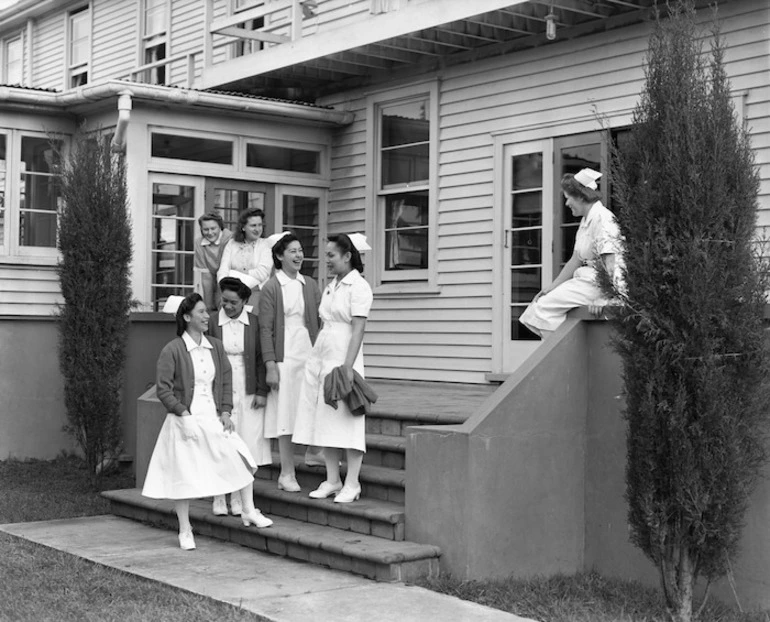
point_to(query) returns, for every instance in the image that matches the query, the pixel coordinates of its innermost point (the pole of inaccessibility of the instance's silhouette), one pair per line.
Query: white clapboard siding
(48, 51)
(28, 290)
(449, 336)
(187, 25)
(115, 39)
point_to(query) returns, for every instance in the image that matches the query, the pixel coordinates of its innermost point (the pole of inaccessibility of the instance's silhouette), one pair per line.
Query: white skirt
(214, 462)
(318, 423)
(281, 409)
(249, 421)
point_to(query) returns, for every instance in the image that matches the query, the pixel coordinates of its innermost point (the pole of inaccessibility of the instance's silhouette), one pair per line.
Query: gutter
(168, 95)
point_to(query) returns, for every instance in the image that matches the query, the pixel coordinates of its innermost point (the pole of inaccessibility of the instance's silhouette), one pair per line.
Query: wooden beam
(254, 35)
(250, 14)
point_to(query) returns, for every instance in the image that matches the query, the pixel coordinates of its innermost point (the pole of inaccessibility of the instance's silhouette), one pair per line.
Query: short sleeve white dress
(317, 423)
(597, 235)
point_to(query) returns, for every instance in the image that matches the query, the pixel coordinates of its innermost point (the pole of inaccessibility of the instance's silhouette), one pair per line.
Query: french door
(538, 233)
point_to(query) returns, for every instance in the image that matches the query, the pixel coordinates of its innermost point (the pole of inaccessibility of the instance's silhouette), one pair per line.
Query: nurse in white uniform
(597, 242)
(344, 308)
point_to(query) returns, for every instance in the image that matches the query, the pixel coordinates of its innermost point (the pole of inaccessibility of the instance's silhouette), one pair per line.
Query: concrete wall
(32, 410)
(534, 482)
(32, 413)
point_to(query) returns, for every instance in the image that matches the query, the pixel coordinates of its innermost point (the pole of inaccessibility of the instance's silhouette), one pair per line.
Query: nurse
(238, 330)
(288, 318)
(344, 308)
(597, 243)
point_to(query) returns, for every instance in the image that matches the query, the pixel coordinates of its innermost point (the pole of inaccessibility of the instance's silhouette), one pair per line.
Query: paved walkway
(275, 588)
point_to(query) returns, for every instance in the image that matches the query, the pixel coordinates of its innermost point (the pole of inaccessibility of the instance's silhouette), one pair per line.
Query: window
(244, 47)
(404, 171)
(39, 199)
(13, 66)
(301, 215)
(193, 148)
(154, 39)
(79, 46)
(283, 158)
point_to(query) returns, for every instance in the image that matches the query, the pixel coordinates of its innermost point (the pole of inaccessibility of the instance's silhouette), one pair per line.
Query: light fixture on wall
(550, 25)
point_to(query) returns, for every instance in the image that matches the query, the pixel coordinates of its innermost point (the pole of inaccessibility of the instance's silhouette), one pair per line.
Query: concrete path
(276, 588)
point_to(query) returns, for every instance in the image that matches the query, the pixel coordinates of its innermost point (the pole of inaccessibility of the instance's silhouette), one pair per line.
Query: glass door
(176, 202)
(230, 197)
(303, 211)
(527, 241)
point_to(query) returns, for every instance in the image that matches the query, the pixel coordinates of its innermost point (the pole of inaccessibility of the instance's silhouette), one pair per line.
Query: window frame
(7, 41)
(418, 281)
(148, 42)
(85, 67)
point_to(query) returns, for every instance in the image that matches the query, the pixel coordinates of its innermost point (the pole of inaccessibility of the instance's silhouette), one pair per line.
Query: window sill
(24, 260)
(405, 290)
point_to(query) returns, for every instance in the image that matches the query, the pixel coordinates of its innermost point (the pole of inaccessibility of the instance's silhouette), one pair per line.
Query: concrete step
(377, 482)
(381, 450)
(383, 519)
(366, 555)
(395, 423)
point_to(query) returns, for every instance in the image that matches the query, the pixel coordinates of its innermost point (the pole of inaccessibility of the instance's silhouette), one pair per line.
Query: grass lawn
(585, 597)
(39, 583)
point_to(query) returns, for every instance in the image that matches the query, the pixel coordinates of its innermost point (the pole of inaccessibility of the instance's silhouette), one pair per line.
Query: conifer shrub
(690, 332)
(95, 245)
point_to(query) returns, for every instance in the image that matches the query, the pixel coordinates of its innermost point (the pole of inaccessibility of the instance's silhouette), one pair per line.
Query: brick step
(381, 450)
(377, 482)
(372, 557)
(383, 519)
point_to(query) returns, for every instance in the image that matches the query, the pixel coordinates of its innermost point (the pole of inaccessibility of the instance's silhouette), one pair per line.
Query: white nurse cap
(272, 240)
(172, 304)
(359, 241)
(248, 280)
(587, 177)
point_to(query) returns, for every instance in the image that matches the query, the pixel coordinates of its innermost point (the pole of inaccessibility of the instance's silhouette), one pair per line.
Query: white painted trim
(28, 40)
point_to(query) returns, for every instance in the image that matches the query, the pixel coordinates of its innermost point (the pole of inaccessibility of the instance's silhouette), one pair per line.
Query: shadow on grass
(584, 597)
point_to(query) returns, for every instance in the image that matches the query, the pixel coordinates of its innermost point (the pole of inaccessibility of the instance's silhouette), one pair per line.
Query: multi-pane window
(79, 46)
(174, 229)
(154, 39)
(404, 194)
(230, 203)
(301, 215)
(13, 61)
(39, 192)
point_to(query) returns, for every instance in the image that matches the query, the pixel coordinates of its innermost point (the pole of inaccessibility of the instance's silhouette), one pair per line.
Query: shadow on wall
(533, 482)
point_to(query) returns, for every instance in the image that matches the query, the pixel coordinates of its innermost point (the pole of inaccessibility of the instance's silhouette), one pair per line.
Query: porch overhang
(418, 38)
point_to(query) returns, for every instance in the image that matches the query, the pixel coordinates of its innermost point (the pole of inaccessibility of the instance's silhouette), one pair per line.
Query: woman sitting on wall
(248, 252)
(288, 311)
(238, 330)
(597, 242)
(209, 249)
(344, 308)
(197, 453)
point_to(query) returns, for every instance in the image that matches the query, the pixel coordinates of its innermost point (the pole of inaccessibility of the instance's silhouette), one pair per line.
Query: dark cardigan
(175, 379)
(252, 354)
(271, 316)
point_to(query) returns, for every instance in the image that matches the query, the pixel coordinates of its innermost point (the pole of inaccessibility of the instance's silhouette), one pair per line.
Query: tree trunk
(677, 578)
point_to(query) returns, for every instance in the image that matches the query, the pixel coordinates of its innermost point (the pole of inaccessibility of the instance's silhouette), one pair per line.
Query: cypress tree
(95, 244)
(690, 332)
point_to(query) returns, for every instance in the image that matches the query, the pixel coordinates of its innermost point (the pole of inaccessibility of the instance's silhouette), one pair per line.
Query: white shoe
(186, 540)
(326, 490)
(235, 504)
(348, 494)
(288, 483)
(219, 507)
(256, 518)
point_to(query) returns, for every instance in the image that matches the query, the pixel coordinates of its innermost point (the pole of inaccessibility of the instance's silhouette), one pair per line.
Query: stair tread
(369, 473)
(387, 442)
(365, 507)
(353, 545)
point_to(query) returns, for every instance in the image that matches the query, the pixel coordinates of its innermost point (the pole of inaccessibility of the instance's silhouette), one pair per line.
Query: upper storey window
(79, 49)
(13, 61)
(155, 38)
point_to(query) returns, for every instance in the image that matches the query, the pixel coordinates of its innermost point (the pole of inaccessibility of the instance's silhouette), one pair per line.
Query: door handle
(507, 234)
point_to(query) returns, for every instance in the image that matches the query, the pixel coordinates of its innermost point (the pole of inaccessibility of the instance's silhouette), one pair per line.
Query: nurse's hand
(273, 376)
(227, 423)
(597, 310)
(259, 401)
(348, 372)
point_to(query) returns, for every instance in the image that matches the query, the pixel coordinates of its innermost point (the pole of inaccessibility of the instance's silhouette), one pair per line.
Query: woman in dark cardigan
(197, 453)
(288, 317)
(239, 332)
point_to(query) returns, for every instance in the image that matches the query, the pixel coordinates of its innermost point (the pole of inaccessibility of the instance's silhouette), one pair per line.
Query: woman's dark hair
(231, 284)
(281, 246)
(186, 307)
(212, 216)
(345, 245)
(243, 218)
(574, 188)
